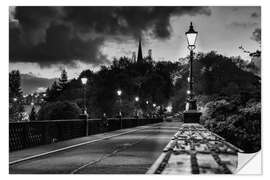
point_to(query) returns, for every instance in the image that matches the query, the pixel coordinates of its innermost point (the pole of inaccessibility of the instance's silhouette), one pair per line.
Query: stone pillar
(192, 116)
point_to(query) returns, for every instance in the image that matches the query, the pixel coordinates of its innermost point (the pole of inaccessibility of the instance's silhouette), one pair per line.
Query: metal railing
(29, 134)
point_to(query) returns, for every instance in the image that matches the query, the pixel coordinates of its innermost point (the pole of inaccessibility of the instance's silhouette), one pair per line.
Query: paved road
(129, 153)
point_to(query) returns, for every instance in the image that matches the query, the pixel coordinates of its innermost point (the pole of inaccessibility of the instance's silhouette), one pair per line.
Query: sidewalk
(30, 153)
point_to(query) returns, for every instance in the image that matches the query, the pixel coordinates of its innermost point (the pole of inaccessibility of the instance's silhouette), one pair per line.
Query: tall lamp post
(119, 93)
(136, 101)
(154, 109)
(84, 82)
(191, 114)
(147, 102)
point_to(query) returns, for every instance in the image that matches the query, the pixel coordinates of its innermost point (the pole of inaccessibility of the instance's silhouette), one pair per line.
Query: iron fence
(29, 134)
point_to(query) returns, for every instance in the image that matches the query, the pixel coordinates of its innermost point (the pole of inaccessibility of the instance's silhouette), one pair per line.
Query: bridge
(125, 146)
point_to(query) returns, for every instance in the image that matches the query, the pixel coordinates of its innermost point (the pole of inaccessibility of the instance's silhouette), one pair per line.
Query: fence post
(45, 134)
(85, 117)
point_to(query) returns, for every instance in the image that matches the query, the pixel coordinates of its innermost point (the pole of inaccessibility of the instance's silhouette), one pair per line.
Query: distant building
(133, 59)
(150, 53)
(140, 56)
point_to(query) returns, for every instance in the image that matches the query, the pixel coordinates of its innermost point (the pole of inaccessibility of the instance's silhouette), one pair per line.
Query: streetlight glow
(188, 91)
(119, 92)
(137, 98)
(15, 99)
(84, 80)
(169, 109)
(191, 37)
(147, 102)
(154, 105)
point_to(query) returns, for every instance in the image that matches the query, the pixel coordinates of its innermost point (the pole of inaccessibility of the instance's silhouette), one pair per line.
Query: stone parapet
(196, 150)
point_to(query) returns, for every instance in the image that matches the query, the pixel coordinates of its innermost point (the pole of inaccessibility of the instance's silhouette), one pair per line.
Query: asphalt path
(131, 152)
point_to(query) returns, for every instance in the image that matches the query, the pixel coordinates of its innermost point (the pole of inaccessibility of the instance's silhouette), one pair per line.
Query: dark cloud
(62, 35)
(256, 35)
(128, 20)
(59, 47)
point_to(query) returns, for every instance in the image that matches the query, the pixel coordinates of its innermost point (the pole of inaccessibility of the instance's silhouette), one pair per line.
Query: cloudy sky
(44, 40)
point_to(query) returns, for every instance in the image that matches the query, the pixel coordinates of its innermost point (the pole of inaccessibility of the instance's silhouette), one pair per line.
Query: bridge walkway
(126, 151)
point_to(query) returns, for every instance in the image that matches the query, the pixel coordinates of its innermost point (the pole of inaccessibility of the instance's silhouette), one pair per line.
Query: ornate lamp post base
(192, 116)
(84, 116)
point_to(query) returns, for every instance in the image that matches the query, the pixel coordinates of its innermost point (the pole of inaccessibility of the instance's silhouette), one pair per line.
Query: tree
(15, 84)
(52, 92)
(59, 110)
(33, 114)
(16, 109)
(237, 124)
(63, 80)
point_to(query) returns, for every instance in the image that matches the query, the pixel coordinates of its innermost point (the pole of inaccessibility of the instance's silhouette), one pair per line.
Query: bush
(59, 110)
(239, 125)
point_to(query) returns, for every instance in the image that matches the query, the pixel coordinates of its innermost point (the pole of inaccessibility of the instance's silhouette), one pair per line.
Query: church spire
(140, 57)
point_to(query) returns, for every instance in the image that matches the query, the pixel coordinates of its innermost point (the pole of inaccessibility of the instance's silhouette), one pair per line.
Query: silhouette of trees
(16, 109)
(237, 121)
(52, 92)
(63, 80)
(33, 114)
(149, 80)
(59, 110)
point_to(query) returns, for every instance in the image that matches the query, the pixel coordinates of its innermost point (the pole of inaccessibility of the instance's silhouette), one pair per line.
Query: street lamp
(191, 35)
(119, 93)
(136, 105)
(84, 82)
(191, 115)
(146, 107)
(154, 105)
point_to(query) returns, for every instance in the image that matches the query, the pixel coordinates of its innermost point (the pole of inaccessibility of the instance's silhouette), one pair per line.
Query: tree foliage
(149, 80)
(237, 122)
(33, 114)
(63, 80)
(16, 109)
(59, 110)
